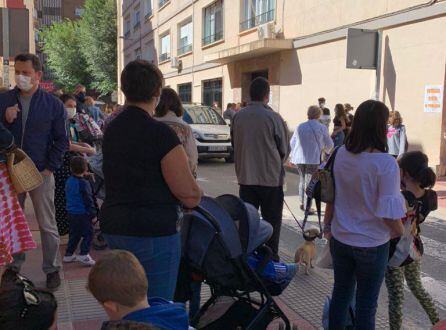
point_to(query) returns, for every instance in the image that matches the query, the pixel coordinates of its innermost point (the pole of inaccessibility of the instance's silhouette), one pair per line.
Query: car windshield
(202, 115)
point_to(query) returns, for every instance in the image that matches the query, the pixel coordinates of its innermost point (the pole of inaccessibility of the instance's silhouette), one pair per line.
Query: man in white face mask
(38, 122)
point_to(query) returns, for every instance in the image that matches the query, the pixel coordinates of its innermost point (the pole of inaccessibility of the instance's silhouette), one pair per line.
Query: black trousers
(81, 227)
(270, 202)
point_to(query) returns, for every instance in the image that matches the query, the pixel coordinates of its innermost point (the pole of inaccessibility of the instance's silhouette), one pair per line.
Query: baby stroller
(217, 239)
(97, 183)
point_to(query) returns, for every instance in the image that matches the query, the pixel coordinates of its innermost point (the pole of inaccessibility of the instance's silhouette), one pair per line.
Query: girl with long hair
(340, 124)
(417, 180)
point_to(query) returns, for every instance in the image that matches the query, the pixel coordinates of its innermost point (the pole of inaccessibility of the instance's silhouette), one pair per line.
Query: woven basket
(22, 171)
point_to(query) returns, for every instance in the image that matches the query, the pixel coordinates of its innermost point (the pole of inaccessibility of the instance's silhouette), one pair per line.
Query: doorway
(247, 78)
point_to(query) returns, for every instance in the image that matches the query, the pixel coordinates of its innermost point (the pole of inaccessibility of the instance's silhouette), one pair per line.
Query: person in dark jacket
(81, 212)
(118, 282)
(38, 122)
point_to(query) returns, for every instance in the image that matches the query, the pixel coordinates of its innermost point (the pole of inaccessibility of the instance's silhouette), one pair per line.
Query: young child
(119, 284)
(81, 212)
(417, 179)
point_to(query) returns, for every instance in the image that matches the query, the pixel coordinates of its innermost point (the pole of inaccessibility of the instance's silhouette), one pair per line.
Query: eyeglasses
(29, 294)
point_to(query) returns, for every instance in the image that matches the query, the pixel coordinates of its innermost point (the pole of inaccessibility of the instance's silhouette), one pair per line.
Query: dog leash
(307, 213)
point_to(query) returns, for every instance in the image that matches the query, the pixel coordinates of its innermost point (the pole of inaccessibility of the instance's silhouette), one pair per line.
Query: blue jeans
(360, 267)
(338, 139)
(160, 257)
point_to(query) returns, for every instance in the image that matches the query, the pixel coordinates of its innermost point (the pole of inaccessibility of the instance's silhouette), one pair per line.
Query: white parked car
(212, 133)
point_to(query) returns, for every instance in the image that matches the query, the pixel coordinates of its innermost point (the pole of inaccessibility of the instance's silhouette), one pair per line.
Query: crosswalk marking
(434, 248)
(436, 288)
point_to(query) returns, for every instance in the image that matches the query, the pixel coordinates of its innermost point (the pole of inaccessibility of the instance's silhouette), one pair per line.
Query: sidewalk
(77, 308)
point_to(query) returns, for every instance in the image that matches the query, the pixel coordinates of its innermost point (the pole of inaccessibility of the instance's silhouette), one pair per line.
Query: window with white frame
(212, 91)
(148, 8)
(256, 12)
(186, 34)
(165, 47)
(185, 92)
(213, 23)
(137, 19)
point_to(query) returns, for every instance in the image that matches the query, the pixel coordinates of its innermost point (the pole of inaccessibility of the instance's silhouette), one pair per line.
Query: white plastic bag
(324, 259)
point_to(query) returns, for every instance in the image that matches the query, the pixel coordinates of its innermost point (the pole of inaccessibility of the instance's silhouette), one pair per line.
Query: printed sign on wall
(433, 98)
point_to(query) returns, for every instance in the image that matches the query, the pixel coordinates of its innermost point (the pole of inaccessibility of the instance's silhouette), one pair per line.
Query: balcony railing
(164, 57)
(212, 38)
(185, 49)
(257, 20)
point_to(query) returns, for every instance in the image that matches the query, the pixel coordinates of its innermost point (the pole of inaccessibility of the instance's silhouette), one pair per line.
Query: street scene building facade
(21, 22)
(17, 32)
(210, 50)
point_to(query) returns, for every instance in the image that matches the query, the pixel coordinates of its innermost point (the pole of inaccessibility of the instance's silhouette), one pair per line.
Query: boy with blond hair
(119, 284)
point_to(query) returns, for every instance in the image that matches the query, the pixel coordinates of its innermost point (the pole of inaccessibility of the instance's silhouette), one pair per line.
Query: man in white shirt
(309, 140)
(325, 117)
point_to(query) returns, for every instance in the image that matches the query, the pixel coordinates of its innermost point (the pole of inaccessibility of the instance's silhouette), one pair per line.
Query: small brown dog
(307, 251)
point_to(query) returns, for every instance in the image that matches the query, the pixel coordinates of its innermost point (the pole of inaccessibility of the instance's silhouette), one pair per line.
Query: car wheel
(230, 159)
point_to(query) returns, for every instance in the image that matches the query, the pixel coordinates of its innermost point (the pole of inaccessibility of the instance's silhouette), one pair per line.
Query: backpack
(89, 131)
(409, 247)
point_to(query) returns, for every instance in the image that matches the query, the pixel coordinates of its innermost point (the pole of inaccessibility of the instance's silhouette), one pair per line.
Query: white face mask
(23, 82)
(71, 112)
(158, 99)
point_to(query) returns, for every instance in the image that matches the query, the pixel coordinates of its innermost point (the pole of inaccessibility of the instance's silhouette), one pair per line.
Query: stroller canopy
(221, 215)
(253, 231)
(216, 219)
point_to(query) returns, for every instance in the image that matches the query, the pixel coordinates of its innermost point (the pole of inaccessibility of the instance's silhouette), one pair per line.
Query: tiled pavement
(79, 311)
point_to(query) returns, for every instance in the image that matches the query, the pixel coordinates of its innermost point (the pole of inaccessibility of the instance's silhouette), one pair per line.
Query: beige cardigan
(186, 137)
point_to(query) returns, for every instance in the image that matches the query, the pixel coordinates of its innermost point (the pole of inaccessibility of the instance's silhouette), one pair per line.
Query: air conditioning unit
(266, 31)
(175, 62)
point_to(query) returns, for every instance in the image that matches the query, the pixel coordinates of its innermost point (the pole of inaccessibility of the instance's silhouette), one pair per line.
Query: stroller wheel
(282, 326)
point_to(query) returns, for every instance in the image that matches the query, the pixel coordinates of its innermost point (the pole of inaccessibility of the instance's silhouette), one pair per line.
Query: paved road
(305, 294)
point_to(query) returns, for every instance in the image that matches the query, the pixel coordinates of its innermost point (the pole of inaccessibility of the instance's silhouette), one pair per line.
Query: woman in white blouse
(308, 142)
(365, 215)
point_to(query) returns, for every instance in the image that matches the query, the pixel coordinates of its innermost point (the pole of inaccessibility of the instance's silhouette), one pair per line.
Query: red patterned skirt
(15, 236)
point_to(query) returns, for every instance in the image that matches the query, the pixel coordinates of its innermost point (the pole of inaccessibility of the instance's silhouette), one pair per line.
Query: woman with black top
(147, 180)
(348, 108)
(340, 124)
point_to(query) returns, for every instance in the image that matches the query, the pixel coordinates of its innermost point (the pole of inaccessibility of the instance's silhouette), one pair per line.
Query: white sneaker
(86, 260)
(69, 258)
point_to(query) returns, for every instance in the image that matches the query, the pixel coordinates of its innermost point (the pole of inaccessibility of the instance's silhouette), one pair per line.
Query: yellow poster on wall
(433, 98)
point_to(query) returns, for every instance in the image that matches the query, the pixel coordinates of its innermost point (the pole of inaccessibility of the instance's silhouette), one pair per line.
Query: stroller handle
(209, 217)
